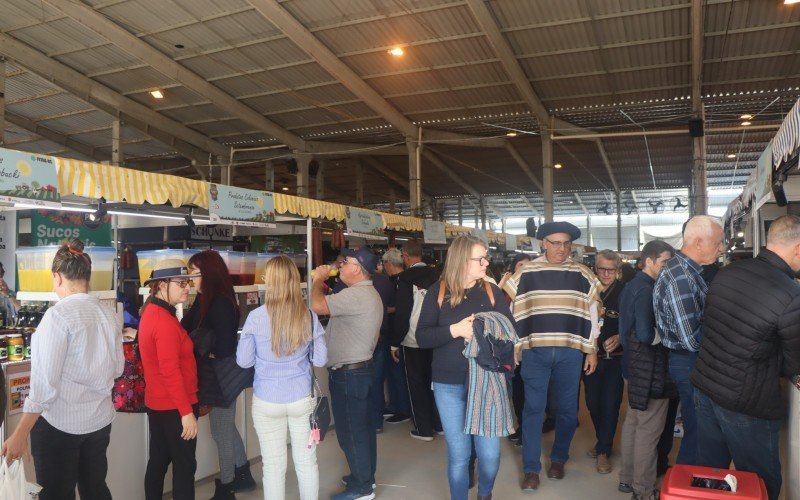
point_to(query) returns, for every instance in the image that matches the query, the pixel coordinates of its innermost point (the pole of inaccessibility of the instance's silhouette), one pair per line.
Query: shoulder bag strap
(488, 287)
(442, 286)
(315, 390)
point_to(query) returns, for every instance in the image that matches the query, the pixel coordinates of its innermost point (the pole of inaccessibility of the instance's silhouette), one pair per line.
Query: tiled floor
(411, 469)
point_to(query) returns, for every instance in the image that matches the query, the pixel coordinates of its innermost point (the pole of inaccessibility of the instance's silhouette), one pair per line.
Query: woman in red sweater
(170, 375)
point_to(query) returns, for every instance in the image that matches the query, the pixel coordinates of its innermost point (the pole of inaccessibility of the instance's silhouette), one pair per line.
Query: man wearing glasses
(604, 387)
(556, 306)
(356, 314)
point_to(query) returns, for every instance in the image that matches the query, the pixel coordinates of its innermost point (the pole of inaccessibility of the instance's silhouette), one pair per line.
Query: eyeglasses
(559, 244)
(484, 261)
(181, 283)
(606, 270)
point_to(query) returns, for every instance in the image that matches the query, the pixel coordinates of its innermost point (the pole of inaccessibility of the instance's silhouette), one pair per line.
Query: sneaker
(346, 480)
(592, 453)
(422, 437)
(387, 413)
(398, 418)
(625, 488)
(353, 495)
(515, 438)
(439, 431)
(603, 464)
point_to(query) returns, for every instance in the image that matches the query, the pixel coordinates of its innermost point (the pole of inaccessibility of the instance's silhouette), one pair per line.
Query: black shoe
(387, 414)
(422, 437)
(398, 418)
(244, 480)
(223, 491)
(516, 437)
(625, 488)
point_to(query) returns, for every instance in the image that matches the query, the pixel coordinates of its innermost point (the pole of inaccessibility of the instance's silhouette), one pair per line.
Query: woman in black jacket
(215, 308)
(445, 325)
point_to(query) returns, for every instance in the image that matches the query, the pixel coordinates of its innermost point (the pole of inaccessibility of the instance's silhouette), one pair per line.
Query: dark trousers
(752, 443)
(604, 390)
(681, 364)
(391, 374)
(518, 395)
(354, 413)
(64, 460)
(380, 358)
(418, 375)
(167, 446)
(668, 436)
(399, 403)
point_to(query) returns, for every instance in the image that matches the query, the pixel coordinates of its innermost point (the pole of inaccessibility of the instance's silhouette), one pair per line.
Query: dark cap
(549, 228)
(365, 257)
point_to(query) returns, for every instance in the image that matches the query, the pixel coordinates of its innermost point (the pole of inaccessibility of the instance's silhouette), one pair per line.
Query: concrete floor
(411, 469)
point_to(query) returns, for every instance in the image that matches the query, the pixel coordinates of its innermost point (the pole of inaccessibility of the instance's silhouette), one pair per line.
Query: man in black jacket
(751, 338)
(414, 281)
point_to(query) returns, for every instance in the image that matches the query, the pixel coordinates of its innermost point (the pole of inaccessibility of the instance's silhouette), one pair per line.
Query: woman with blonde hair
(445, 325)
(278, 340)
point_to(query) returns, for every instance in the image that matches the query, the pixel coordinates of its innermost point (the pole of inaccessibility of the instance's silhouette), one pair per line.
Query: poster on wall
(433, 232)
(366, 224)
(29, 178)
(19, 385)
(240, 207)
(511, 242)
(51, 227)
(8, 246)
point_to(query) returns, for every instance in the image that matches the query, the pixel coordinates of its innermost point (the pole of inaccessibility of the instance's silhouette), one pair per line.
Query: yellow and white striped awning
(117, 184)
(305, 207)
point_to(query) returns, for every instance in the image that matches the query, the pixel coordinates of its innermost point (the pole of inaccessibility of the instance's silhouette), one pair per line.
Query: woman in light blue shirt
(277, 339)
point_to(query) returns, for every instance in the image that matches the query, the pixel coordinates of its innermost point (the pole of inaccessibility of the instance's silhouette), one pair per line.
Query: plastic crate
(677, 484)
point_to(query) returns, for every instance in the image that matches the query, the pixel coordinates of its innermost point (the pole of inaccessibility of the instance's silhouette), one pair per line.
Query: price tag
(252, 298)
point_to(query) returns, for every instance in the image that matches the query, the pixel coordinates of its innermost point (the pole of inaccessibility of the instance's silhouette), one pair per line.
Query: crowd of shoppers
(678, 329)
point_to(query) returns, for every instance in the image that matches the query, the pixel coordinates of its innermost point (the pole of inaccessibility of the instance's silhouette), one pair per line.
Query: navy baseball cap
(365, 257)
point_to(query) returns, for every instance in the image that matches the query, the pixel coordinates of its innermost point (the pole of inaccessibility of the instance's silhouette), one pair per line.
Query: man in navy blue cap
(356, 314)
(556, 306)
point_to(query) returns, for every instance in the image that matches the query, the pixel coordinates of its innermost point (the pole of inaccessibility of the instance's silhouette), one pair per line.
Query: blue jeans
(681, 364)
(451, 400)
(603, 398)
(539, 365)
(351, 401)
(380, 357)
(752, 443)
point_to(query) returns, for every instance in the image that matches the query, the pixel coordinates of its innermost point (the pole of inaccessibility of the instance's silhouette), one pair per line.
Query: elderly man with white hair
(678, 299)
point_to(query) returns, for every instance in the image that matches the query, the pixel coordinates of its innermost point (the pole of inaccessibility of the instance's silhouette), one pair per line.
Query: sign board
(8, 246)
(433, 232)
(19, 386)
(511, 242)
(29, 178)
(483, 234)
(51, 227)
(240, 207)
(364, 223)
(216, 233)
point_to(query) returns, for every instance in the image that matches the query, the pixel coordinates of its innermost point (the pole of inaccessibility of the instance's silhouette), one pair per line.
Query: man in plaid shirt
(678, 299)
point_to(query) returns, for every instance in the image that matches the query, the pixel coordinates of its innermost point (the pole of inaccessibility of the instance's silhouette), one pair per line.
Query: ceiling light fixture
(790, 2)
(746, 117)
(558, 165)
(511, 134)
(732, 155)
(397, 51)
(284, 188)
(746, 123)
(157, 94)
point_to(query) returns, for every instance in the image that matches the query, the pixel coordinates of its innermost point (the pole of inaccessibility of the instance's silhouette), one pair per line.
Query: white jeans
(271, 421)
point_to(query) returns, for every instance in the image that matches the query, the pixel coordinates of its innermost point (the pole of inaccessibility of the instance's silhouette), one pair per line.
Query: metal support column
(547, 174)
(482, 203)
(460, 211)
(303, 159)
(359, 184)
(589, 239)
(269, 176)
(320, 178)
(116, 143)
(699, 174)
(619, 222)
(415, 174)
(699, 177)
(2, 100)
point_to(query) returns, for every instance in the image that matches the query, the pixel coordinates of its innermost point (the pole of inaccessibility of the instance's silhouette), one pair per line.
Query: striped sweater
(556, 305)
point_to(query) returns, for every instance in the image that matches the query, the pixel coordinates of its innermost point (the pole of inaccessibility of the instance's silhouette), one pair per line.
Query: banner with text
(433, 232)
(241, 207)
(51, 227)
(29, 178)
(364, 223)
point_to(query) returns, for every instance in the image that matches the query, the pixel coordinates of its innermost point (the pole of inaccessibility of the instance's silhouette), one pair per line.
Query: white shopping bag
(13, 485)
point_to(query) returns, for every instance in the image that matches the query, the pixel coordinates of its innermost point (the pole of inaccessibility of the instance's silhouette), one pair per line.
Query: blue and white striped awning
(787, 140)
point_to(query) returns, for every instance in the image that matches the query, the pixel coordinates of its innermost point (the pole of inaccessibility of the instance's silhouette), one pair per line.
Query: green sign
(364, 223)
(240, 207)
(50, 227)
(28, 178)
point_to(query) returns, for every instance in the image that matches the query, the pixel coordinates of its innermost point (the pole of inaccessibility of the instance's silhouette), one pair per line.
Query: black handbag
(232, 378)
(320, 418)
